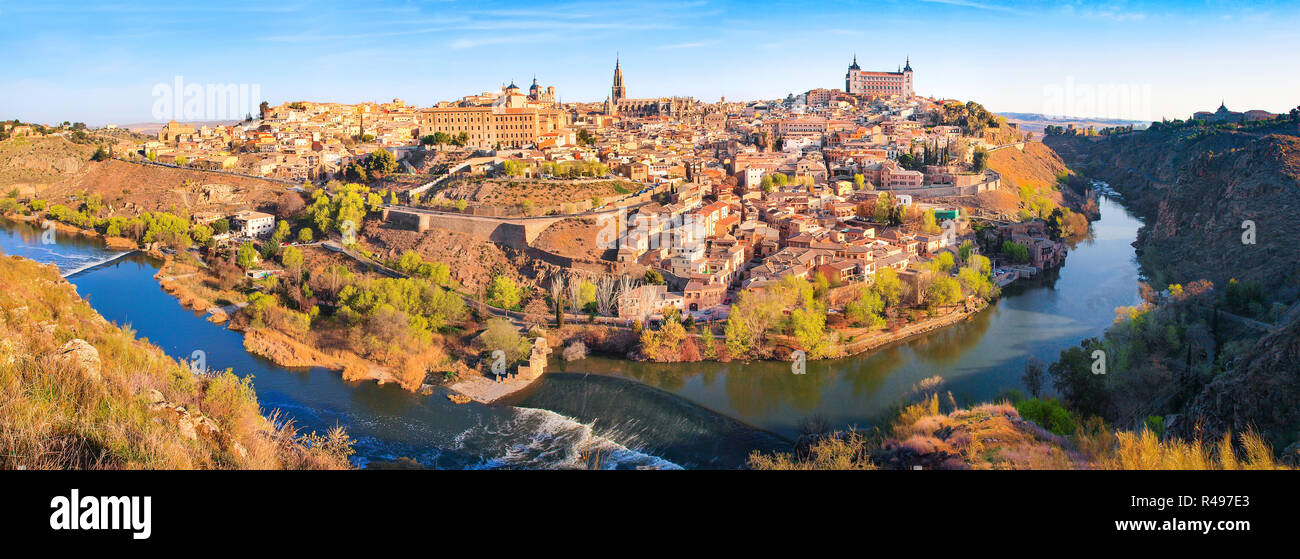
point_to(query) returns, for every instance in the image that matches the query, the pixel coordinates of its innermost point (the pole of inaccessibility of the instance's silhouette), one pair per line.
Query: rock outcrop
(79, 355)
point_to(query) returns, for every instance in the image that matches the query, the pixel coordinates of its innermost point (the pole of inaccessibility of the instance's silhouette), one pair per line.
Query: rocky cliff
(1219, 204)
(1199, 191)
(1260, 391)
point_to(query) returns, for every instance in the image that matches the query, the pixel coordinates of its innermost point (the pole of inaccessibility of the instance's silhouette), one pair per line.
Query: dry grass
(54, 417)
(1146, 451)
(841, 451)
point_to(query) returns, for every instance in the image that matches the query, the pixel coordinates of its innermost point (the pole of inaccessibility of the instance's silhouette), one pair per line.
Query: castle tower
(908, 90)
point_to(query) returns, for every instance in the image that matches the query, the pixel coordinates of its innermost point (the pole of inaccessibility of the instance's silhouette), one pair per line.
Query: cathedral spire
(617, 92)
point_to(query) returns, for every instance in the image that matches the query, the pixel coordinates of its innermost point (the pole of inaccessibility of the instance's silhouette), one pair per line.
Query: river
(632, 415)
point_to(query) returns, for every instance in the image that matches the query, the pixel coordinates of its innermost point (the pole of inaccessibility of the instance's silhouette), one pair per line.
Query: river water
(631, 415)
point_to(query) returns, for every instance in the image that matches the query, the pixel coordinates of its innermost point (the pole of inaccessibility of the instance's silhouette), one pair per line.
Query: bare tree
(626, 284)
(557, 298)
(606, 290)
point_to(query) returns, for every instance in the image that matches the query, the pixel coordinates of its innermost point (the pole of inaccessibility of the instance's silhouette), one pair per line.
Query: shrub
(1049, 414)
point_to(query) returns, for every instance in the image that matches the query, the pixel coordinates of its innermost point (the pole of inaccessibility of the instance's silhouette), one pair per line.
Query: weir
(100, 263)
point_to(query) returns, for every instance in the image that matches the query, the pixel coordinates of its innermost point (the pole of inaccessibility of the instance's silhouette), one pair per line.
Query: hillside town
(728, 196)
(828, 222)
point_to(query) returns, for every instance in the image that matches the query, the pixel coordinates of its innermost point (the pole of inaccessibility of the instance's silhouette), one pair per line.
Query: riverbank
(110, 242)
(479, 388)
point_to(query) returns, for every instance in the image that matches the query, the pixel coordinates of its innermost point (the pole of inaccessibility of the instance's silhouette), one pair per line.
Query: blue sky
(98, 63)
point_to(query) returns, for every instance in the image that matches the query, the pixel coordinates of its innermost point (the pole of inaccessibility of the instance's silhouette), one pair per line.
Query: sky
(104, 62)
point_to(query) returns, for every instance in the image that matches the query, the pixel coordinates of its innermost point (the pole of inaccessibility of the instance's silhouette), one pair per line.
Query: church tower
(618, 92)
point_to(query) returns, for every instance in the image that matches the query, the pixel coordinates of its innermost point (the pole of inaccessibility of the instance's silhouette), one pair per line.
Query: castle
(879, 84)
(619, 104)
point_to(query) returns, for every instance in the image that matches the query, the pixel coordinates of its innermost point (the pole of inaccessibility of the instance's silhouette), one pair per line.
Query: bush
(1049, 414)
(501, 335)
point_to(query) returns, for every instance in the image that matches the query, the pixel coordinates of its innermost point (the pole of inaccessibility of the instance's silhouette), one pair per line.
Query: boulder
(81, 356)
(186, 427)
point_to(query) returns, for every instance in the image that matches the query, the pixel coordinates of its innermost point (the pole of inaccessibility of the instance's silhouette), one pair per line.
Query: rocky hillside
(32, 165)
(1195, 188)
(1028, 170)
(1261, 390)
(77, 392)
(53, 168)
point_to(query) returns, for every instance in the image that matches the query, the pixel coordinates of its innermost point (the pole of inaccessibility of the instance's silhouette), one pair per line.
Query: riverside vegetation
(317, 308)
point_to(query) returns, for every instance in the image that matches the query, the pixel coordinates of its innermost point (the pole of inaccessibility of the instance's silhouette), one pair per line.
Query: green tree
(928, 222)
(513, 168)
(1073, 377)
(865, 309)
(247, 256)
(884, 208)
(739, 335)
(942, 263)
(381, 161)
(980, 161)
(653, 277)
(201, 233)
(965, 250)
(809, 327)
(356, 172)
(305, 235)
(944, 291)
(281, 233)
(1016, 252)
(885, 283)
(291, 258)
(502, 292)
